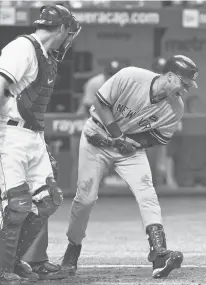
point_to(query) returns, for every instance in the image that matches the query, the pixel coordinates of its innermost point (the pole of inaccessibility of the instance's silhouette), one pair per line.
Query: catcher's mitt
(54, 164)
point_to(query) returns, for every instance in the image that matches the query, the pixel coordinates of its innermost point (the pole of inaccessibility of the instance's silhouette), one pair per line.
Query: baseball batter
(135, 109)
(28, 68)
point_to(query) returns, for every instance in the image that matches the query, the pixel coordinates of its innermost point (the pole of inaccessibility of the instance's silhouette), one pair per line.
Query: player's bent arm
(105, 113)
(150, 138)
(4, 85)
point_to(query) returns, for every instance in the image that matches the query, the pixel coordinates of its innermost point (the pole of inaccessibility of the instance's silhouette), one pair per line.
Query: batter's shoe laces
(71, 257)
(165, 262)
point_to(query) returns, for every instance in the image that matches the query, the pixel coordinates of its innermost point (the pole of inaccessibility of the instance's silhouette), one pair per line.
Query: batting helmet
(112, 67)
(184, 67)
(158, 64)
(56, 15)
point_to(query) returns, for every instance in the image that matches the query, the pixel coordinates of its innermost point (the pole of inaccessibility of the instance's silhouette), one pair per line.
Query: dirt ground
(115, 249)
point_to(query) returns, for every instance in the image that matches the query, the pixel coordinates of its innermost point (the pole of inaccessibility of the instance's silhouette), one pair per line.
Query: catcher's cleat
(8, 278)
(164, 264)
(70, 258)
(46, 270)
(163, 260)
(24, 270)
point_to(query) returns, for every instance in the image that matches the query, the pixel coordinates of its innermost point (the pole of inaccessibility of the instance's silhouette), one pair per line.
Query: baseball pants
(24, 158)
(93, 162)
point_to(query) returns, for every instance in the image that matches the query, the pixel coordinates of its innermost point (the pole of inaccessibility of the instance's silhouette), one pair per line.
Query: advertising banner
(69, 124)
(190, 18)
(118, 18)
(7, 16)
(22, 17)
(148, 17)
(193, 18)
(60, 125)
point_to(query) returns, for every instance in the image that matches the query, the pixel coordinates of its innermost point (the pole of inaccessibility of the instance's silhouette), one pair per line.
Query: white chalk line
(102, 266)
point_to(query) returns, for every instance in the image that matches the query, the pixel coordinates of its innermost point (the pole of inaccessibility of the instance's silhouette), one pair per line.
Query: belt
(98, 123)
(16, 123)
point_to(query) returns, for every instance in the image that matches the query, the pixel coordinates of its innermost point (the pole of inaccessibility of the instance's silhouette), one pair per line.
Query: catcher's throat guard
(59, 54)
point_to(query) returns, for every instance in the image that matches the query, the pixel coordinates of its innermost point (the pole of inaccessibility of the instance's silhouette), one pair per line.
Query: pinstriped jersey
(129, 95)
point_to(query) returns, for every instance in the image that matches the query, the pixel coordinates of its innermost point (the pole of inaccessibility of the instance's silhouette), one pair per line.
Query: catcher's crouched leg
(18, 205)
(33, 225)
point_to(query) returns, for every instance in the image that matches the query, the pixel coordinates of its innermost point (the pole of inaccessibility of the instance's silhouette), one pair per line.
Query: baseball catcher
(30, 195)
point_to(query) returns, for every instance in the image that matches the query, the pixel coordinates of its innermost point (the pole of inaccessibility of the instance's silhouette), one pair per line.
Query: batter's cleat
(164, 264)
(47, 270)
(70, 258)
(163, 260)
(7, 278)
(24, 270)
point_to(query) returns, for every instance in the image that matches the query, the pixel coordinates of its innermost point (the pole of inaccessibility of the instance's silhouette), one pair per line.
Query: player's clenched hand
(126, 145)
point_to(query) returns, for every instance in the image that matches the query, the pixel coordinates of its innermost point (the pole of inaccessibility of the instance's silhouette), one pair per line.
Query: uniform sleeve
(16, 58)
(110, 91)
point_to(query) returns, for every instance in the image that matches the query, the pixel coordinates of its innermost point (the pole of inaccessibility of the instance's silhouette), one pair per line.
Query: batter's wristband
(114, 130)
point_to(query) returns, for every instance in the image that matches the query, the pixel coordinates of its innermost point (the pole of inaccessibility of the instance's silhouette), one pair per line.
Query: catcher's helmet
(112, 67)
(184, 67)
(158, 64)
(56, 15)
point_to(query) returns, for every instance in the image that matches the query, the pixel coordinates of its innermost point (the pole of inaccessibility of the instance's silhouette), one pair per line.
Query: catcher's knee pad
(19, 205)
(45, 204)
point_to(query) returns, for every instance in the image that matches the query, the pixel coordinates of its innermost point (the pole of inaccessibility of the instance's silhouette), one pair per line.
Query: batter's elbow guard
(54, 191)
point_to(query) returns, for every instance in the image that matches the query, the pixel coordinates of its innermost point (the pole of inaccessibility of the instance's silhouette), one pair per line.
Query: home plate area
(132, 275)
(115, 249)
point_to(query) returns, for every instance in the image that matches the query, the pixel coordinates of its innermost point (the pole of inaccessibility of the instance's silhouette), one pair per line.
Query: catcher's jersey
(18, 62)
(129, 94)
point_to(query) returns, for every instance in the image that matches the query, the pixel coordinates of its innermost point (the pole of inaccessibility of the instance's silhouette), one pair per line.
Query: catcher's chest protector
(32, 102)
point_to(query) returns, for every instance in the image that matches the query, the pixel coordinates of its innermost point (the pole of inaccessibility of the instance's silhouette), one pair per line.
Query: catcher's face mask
(56, 15)
(60, 53)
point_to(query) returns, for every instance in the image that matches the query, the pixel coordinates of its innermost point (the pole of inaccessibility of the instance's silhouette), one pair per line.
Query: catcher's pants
(93, 162)
(23, 158)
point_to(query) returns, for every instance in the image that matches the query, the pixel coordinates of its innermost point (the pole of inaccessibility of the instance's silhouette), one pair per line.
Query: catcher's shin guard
(164, 261)
(33, 224)
(19, 205)
(70, 258)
